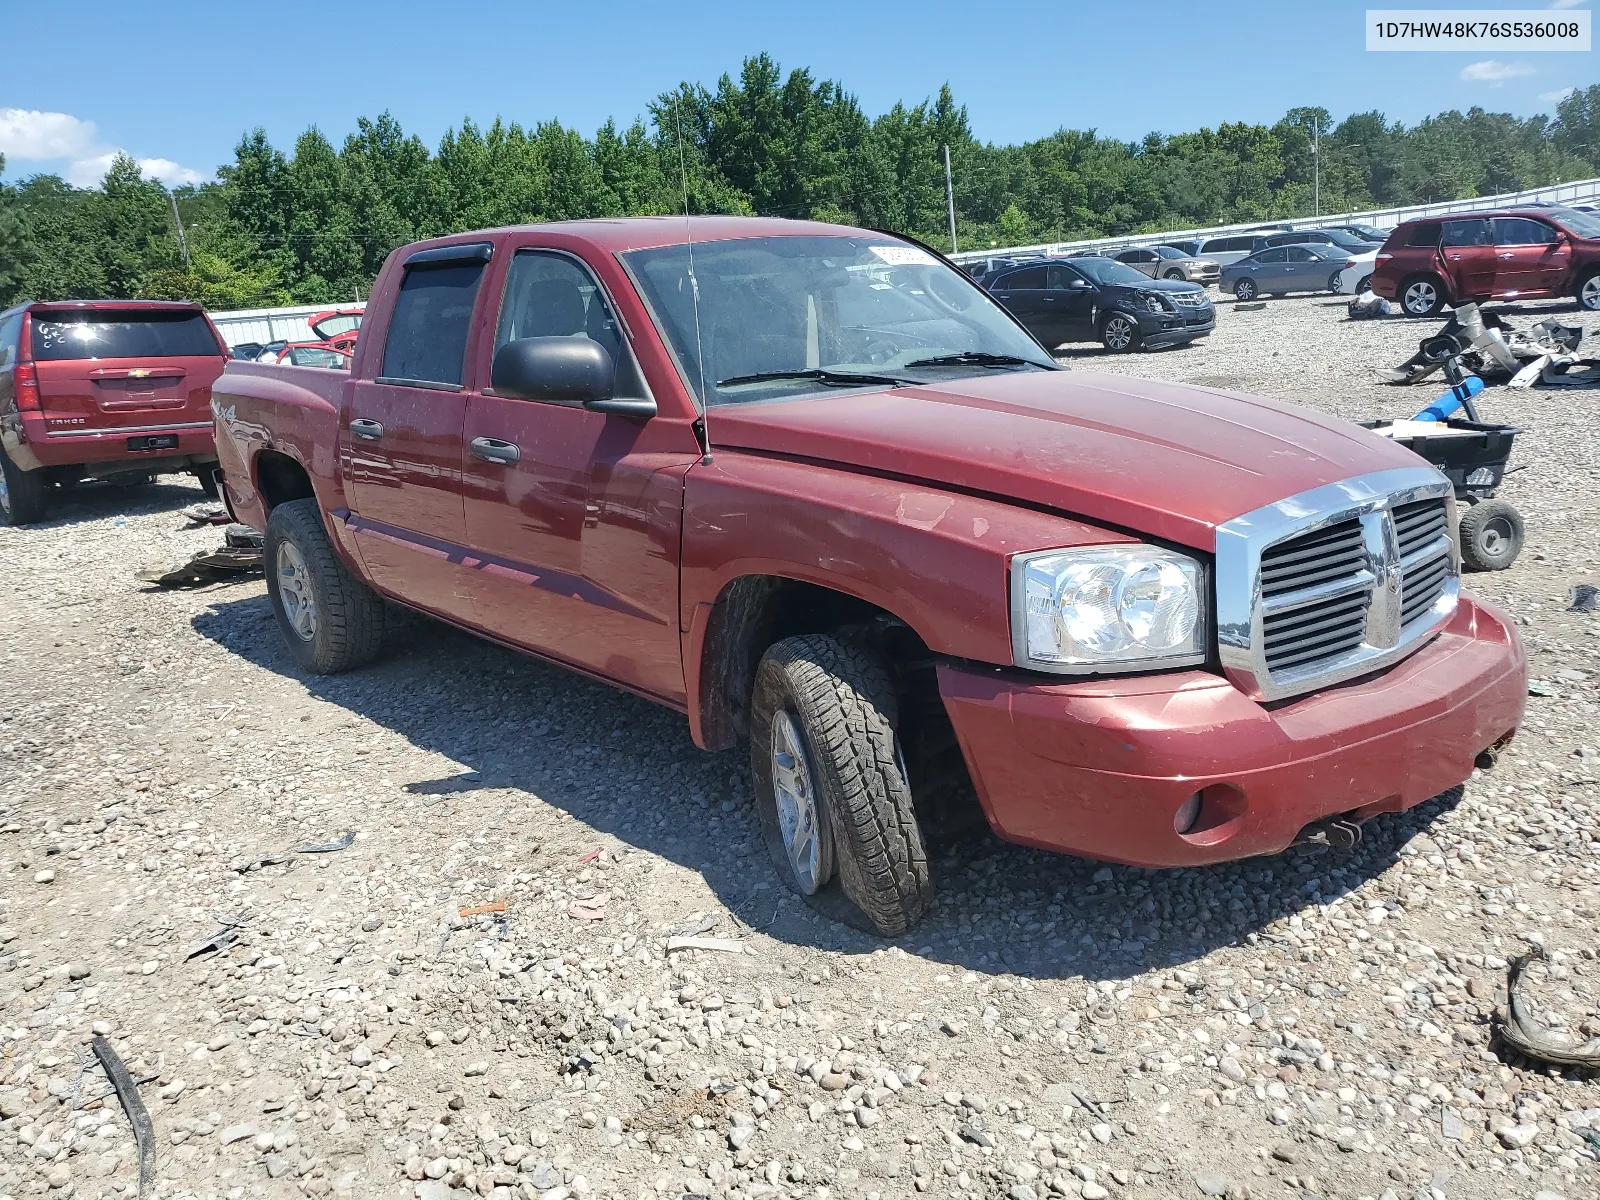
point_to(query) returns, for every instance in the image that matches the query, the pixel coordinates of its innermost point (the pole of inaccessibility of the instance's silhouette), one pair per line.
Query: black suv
(1094, 298)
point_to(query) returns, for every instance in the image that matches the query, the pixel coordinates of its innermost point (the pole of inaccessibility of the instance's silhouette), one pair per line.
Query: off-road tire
(842, 699)
(349, 624)
(26, 494)
(1245, 290)
(1491, 536)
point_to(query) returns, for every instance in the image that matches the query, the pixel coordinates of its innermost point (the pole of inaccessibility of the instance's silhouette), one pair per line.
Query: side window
(1522, 231)
(1425, 234)
(1298, 254)
(10, 334)
(1061, 277)
(427, 342)
(1270, 256)
(1245, 243)
(1278, 239)
(1029, 279)
(1471, 232)
(551, 295)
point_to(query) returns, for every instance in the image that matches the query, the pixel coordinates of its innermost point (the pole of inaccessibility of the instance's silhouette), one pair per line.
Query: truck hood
(1166, 460)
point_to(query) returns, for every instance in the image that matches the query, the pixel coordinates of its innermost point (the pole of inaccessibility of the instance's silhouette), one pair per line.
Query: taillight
(1383, 258)
(26, 381)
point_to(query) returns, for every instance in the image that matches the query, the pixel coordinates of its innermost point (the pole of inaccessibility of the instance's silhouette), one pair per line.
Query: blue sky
(176, 83)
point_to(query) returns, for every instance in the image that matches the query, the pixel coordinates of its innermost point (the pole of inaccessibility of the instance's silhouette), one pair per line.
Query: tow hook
(1338, 832)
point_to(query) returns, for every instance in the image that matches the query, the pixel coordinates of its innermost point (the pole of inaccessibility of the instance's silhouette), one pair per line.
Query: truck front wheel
(831, 786)
(331, 621)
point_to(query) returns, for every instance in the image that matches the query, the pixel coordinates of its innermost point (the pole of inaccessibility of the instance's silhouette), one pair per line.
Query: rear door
(402, 436)
(1266, 268)
(146, 373)
(1470, 262)
(1530, 258)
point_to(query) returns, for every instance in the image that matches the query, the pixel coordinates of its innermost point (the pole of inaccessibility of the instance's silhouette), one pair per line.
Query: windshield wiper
(979, 358)
(820, 374)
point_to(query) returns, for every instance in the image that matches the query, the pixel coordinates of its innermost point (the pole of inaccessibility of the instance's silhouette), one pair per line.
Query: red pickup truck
(812, 487)
(111, 389)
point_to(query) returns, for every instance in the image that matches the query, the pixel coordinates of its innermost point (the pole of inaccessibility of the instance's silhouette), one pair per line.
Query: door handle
(1508, 256)
(367, 431)
(495, 451)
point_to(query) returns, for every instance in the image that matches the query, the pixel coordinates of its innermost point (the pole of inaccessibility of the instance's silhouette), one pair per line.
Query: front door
(1469, 258)
(573, 517)
(402, 441)
(1531, 260)
(1074, 302)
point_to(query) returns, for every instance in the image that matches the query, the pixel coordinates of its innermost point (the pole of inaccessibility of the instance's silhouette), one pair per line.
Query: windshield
(1104, 270)
(1169, 252)
(1371, 232)
(821, 312)
(1348, 240)
(1585, 225)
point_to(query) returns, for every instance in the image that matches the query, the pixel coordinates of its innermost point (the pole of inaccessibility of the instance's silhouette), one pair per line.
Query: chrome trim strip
(1440, 545)
(1369, 499)
(128, 431)
(1331, 590)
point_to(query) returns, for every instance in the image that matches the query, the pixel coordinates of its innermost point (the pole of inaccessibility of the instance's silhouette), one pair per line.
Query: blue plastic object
(1449, 401)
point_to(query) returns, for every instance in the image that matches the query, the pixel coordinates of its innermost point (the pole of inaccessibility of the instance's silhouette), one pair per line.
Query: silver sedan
(1278, 270)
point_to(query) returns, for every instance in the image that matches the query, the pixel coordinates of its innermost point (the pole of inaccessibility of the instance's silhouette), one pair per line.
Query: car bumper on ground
(1101, 768)
(164, 445)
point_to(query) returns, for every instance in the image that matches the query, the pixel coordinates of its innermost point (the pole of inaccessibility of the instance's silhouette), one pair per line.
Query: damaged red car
(812, 487)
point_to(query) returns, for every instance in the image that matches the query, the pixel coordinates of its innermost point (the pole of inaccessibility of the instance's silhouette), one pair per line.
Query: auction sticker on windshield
(903, 256)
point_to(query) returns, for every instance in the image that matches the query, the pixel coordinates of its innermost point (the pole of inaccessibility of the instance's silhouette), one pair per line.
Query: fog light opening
(1187, 815)
(1212, 815)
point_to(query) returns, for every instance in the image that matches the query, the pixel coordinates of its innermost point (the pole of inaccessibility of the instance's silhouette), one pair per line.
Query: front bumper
(39, 446)
(1100, 768)
(1170, 329)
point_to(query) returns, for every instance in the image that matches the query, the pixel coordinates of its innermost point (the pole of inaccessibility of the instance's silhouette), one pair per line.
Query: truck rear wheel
(22, 493)
(831, 785)
(331, 621)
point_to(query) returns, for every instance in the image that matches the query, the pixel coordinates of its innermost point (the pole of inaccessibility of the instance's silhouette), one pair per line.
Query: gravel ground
(1312, 1025)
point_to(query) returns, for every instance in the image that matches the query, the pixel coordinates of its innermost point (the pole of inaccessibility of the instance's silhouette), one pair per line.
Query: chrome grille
(1335, 582)
(1188, 299)
(1301, 622)
(1422, 531)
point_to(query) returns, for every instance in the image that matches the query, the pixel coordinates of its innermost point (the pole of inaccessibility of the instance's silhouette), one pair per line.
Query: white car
(1357, 273)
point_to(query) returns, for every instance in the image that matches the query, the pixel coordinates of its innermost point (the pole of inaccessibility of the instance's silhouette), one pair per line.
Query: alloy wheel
(1420, 298)
(1589, 296)
(1119, 333)
(294, 591)
(801, 820)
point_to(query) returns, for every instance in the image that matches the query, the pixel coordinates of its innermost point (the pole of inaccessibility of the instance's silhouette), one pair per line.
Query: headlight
(1156, 303)
(1107, 608)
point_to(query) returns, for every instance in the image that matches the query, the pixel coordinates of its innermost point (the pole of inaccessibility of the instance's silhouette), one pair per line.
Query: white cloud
(30, 135)
(1557, 96)
(1493, 72)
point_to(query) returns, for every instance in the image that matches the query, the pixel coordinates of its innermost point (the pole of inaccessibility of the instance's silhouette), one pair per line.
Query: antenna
(694, 289)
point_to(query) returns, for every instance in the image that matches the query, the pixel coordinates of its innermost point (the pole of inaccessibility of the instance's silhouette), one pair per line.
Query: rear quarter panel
(293, 411)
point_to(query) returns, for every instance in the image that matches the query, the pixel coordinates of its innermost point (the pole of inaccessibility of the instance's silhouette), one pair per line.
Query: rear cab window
(122, 333)
(427, 339)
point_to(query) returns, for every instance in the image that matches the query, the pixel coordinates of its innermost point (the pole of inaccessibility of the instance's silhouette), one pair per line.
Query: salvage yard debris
(1484, 343)
(278, 857)
(143, 1131)
(483, 910)
(1526, 1034)
(239, 557)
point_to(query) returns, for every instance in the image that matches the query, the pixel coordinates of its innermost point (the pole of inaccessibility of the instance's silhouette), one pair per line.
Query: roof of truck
(618, 234)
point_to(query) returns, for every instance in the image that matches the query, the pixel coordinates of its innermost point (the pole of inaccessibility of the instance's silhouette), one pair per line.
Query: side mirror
(566, 370)
(1078, 285)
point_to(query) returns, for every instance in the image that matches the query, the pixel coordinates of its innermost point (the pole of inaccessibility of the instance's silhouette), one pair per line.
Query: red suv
(1527, 253)
(109, 389)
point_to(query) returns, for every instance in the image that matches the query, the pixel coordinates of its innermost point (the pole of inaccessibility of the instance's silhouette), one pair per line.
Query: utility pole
(950, 199)
(1316, 167)
(183, 241)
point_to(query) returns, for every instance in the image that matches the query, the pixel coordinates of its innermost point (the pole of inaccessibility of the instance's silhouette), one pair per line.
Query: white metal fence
(273, 324)
(1578, 192)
